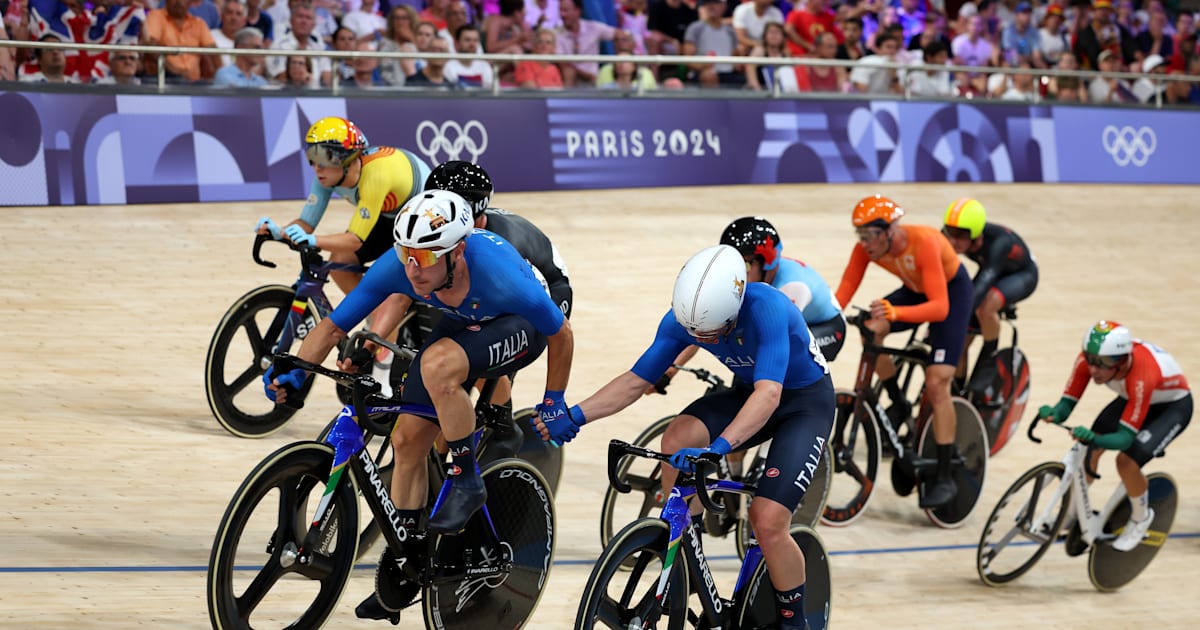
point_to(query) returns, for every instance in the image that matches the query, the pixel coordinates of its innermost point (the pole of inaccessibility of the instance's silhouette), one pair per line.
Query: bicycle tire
(1109, 569)
(1003, 418)
(522, 511)
(547, 458)
(856, 460)
(970, 438)
(245, 413)
(758, 608)
(635, 557)
(811, 507)
(1036, 481)
(295, 473)
(647, 488)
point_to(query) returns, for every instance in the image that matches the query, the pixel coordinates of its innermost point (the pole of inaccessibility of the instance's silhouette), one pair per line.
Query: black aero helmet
(755, 236)
(466, 179)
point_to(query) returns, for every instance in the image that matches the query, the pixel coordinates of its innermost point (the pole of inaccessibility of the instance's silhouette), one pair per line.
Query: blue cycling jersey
(501, 283)
(817, 302)
(770, 341)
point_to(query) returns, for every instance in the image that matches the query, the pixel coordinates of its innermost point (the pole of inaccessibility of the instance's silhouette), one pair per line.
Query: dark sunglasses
(1096, 360)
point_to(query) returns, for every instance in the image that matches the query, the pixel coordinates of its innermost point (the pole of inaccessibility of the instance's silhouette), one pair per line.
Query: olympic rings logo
(451, 140)
(1128, 145)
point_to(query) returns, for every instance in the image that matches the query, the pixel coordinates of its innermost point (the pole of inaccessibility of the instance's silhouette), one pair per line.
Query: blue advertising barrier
(67, 149)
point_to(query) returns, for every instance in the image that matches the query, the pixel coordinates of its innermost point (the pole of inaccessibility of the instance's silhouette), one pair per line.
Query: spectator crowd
(895, 46)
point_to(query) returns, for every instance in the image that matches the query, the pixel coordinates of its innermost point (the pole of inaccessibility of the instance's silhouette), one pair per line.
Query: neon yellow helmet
(968, 215)
(334, 142)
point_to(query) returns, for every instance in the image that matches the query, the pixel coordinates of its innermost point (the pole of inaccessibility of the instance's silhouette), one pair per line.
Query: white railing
(639, 60)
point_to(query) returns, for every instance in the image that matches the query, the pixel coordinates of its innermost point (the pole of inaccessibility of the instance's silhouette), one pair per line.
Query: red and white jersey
(1153, 378)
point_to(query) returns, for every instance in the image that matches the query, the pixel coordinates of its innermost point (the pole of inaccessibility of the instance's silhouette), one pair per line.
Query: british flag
(116, 25)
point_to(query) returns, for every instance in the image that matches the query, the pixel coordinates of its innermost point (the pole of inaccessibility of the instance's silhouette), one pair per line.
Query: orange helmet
(876, 210)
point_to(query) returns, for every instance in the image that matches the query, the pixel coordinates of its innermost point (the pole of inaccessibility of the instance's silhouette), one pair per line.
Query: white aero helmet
(1107, 339)
(434, 220)
(709, 290)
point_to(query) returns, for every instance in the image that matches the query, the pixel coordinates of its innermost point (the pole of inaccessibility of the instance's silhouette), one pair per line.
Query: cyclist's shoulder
(383, 161)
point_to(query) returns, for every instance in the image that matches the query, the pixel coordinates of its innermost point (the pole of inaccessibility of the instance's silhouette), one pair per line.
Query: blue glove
(720, 446)
(562, 423)
(272, 228)
(293, 379)
(1083, 434)
(297, 235)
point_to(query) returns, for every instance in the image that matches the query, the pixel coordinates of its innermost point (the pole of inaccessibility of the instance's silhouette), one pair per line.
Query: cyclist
(497, 319)
(1007, 274)
(376, 180)
(1153, 406)
(936, 289)
(761, 247)
(782, 391)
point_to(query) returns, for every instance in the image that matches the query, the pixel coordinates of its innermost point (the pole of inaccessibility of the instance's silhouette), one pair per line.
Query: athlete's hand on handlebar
(277, 387)
(883, 309)
(680, 460)
(1083, 434)
(297, 235)
(267, 226)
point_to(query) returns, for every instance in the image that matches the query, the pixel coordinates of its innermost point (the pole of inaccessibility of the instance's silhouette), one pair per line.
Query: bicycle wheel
(645, 480)
(238, 355)
(254, 578)
(1003, 404)
(620, 592)
(856, 456)
(758, 609)
(970, 440)
(1110, 569)
(547, 458)
(811, 507)
(1031, 509)
(522, 511)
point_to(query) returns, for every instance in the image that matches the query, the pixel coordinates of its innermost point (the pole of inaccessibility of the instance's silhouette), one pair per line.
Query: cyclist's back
(537, 248)
(1003, 255)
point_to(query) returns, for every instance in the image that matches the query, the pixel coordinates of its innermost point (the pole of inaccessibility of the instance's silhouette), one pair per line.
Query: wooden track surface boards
(116, 474)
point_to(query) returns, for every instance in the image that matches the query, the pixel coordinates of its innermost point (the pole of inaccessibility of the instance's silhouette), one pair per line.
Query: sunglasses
(323, 157)
(1107, 363)
(423, 258)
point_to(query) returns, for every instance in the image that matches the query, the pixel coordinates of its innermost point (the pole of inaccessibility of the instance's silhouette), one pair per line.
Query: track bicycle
(858, 447)
(1032, 512)
(288, 540)
(264, 321)
(1000, 404)
(645, 481)
(647, 573)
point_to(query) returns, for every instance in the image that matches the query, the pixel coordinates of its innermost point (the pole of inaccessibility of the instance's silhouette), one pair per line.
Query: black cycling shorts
(497, 347)
(800, 427)
(947, 337)
(379, 241)
(1164, 422)
(830, 336)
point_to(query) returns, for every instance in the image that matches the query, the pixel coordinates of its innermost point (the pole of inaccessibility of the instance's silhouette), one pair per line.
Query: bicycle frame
(676, 514)
(862, 384)
(350, 453)
(1091, 523)
(310, 287)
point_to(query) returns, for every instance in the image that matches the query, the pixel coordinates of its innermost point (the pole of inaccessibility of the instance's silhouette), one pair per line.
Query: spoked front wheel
(970, 442)
(759, 609)
(238, 355)
(1024, 523)
(464, 594)
(621, 591)
(256, 576)
(856, 451)
(644, 477)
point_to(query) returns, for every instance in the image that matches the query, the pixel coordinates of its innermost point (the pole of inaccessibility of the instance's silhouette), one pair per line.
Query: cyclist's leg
(1007, 290)
(885, 368)
(1164, 422)
(800, 428)
(946, 340)
(698, 425)
(438, 380)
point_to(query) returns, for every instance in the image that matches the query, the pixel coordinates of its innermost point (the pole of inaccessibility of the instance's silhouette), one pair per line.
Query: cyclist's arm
(344, 243)
(618, 394)
(754, 413)
(315, 206)
(1119, 440)
(684, 356)
(384, 278)
(560, 349)
(853, 275)
(933, 278)
(1078, 381)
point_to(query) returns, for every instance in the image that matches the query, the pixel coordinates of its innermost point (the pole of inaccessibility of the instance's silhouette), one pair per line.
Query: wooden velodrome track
(116, 475)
